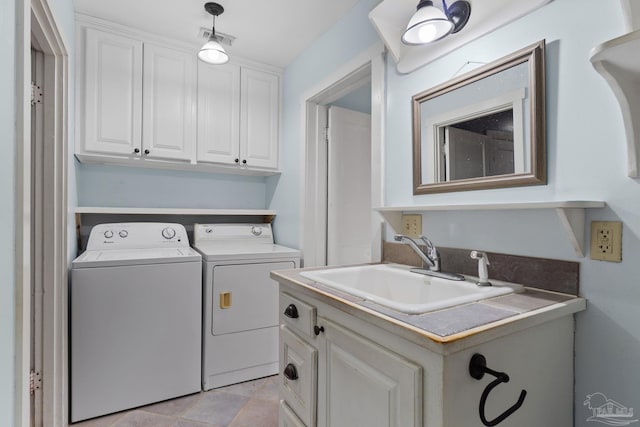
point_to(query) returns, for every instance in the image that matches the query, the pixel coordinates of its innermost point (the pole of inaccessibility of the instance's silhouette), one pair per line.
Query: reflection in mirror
(484, 129)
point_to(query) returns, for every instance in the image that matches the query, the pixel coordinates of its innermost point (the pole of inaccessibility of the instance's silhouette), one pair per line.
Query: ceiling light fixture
(212, 52)
(429, 24)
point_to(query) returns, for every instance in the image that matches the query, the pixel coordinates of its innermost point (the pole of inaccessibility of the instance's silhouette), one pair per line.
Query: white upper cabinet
(259, 113)
(169, 103)
(110, 113)
(238, 116)
(148, 102)
(218, 113)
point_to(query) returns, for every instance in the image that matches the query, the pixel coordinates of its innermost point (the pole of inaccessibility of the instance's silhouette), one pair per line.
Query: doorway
(41, 224)
(334, 172)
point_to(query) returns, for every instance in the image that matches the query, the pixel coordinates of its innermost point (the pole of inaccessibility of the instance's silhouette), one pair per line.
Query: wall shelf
(618, 63)
(173, 211)
(570, 213)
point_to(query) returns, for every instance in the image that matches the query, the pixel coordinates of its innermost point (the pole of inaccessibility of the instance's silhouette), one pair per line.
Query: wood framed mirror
(484, 129)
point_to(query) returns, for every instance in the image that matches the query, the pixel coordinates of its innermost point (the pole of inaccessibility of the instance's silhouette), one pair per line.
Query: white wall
(586, 161)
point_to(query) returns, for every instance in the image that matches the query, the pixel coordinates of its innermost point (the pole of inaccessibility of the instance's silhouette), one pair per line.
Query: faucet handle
(483, 273)
(480, 255)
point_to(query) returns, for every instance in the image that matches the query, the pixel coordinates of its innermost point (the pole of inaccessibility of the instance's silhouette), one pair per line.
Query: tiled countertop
(532, 306)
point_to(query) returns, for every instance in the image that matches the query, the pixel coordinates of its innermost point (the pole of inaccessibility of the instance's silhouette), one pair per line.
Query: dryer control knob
(123, 233)
(256, 231)
(168, 233)
(108, 234)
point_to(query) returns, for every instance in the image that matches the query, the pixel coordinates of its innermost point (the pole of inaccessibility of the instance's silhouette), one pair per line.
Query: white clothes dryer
(135, 318)
(240, 307)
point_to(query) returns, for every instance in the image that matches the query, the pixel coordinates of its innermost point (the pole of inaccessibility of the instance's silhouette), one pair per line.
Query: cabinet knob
(290, 372)
(237, 160)
(136, 150)
(291, 311)
(317, 329)
(244, 162)
(146, 151)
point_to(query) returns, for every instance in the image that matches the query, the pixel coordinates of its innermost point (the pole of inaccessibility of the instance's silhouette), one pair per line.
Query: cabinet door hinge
(36, 94)
(326, 135)
(35, 381)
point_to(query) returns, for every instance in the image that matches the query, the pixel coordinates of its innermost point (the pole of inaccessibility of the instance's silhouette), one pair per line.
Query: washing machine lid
(220, 251)
(126, 257)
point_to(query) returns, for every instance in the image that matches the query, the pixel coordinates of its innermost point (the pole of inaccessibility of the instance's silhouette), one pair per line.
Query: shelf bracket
(572, 220)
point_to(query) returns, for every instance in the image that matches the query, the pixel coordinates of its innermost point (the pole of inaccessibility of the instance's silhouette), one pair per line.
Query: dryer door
(244, 297)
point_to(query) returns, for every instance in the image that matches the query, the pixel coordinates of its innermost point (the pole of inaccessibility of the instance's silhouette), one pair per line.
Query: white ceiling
(273, 32)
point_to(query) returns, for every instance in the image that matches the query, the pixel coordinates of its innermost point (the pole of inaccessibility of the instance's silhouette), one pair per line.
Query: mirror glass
(484, 129)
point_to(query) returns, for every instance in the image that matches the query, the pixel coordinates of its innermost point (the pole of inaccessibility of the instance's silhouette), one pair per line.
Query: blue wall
(358, 100)
(7, 220)
(350, 36)
(113, 186)
(586, 161)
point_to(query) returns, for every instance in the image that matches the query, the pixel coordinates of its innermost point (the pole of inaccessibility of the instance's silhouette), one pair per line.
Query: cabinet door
(169, 103)
(366, 384)
(218, 113)
(298, 391)
(110, 113)
(259, 118)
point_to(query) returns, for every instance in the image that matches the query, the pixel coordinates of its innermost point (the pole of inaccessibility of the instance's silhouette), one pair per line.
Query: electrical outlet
(606, 240)
(412, 225)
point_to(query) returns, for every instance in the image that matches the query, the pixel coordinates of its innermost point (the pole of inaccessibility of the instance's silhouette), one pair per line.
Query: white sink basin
(394, 286)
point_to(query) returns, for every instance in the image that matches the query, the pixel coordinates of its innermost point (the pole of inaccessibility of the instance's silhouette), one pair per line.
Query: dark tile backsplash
(550, 274)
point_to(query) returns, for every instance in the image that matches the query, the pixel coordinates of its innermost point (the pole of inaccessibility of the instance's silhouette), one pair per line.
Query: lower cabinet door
(366, 384)
(298, 376)
(287, 418)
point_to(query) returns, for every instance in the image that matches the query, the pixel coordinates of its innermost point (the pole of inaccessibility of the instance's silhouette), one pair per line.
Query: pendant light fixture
(212, 52)
(429, 24)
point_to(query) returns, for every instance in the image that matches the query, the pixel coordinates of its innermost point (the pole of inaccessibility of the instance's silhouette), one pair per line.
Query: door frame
(370, 64)
(35, 21)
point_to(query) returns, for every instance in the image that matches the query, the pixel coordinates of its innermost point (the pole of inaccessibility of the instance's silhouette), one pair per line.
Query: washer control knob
(256, 230)
(168, 233)
(123, 233)
(108, 234)
(208, 230)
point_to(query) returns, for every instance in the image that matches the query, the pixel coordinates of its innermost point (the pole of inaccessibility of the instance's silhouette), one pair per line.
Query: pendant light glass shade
(427, 25)
(212, 52)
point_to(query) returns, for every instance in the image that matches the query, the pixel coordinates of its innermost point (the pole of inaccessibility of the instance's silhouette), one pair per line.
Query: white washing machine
(240, 307)
(135, 318)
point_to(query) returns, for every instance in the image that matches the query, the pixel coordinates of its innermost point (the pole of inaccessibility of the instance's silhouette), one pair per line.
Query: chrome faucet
(430, 257)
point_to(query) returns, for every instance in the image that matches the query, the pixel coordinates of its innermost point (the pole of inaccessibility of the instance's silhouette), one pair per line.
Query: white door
(465, 154)
(349, 187)
(169, 103)
(244, 296)
(111, 116)
(259, 118)
(366, 384)
(218, 113)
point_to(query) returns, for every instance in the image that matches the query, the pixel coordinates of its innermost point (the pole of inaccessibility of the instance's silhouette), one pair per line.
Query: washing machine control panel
(139, 235)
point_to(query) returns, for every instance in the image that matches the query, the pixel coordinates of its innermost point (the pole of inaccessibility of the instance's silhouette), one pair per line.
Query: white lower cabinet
(366, 384)
(340, 368)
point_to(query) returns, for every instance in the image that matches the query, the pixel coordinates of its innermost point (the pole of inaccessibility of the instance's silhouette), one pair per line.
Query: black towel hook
(477, 369)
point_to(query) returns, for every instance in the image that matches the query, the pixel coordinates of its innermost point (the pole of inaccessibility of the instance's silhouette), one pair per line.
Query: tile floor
(248, 404)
